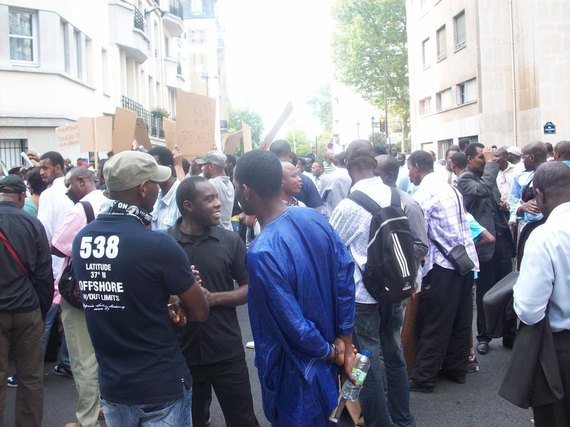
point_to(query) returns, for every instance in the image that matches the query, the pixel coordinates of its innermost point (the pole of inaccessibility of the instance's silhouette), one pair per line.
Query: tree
(370, 53)
(321, 102)
(299, 142)
(253, 119)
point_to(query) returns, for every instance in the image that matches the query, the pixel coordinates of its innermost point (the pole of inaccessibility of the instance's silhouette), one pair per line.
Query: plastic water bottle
(349, 390)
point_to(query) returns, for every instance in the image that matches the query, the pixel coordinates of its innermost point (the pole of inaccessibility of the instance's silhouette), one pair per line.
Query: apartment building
(491, 71)
(65, 59)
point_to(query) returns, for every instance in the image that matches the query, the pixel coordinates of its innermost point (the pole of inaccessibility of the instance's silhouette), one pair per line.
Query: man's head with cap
(133, 177)
(213, 163)
(13, 189)
(514, 154)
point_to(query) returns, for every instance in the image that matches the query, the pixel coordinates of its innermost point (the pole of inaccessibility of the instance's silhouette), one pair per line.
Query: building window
(10, 150)
(459, 30)
(63, 29)
(443, 100)
(467, 92)
(441, 44)
(442, 147)
(197, 37)
(425, 107)
(22, 31)
(425, 53)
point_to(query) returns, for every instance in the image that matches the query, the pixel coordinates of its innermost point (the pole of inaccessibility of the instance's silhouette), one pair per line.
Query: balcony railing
(176, 8)
(152, 122)
(139, 20)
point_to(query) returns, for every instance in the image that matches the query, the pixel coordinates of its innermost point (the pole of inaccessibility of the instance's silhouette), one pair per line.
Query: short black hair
(340, 158)
(549, 147)
(303, 161)
(185, 166)
(55, 158)
(35, 181)
(187, 190)
(552, 178)
(261, 171)
(423, 159)
(452, 148)
(360, 154)
(463, 143)
(471, 149)
(165, 156)
(459, 160)
(280, 148)
(230, 158)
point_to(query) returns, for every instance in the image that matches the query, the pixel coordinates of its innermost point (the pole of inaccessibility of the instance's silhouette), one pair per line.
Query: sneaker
(250, 344)
(12, 381)
(62, 370)
(472, 364)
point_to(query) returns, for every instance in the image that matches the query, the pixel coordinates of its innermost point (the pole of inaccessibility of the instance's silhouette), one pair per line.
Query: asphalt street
(474, 404)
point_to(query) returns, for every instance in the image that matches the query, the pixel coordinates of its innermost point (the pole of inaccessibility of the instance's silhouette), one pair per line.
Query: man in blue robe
(300, 299)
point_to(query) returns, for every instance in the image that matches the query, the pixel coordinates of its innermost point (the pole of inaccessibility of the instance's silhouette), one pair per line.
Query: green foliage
(321, 102)
(253, 119)
(370, 52)
(300, 142)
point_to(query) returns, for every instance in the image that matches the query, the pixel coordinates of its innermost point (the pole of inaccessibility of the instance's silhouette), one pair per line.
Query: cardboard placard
(280, 121)
(124, 125)
(68, 136)
(141, 134)
(195, 123)
(102, 134)
(169, 133)
(232, 142)
(247, 143)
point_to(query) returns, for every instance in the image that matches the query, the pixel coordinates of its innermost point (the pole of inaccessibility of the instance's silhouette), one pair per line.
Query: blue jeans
(377, 329)
(391, 317)
(176, 413)
(51, 317)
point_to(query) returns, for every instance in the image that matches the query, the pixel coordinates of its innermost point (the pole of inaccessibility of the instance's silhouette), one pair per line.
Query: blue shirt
(126, 274)
(301, 296)
(309, 194)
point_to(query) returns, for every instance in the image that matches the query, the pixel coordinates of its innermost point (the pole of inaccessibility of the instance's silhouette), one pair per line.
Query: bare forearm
(228, 299)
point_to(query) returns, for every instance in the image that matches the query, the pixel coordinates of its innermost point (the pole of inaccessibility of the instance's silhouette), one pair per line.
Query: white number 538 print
(99, 247)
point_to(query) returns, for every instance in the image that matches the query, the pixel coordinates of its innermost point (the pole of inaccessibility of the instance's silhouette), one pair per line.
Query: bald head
(534, 154)
(387, 168)
(80, 181)
(562, 151)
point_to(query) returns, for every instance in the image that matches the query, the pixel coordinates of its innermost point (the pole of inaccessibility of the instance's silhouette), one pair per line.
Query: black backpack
(390, 272)
(68, 286)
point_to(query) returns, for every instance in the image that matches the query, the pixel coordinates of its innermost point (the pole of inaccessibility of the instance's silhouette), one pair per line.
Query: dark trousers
(558, 414)
(490, 273)
(20, 336)
(230, 380)
(444, 325)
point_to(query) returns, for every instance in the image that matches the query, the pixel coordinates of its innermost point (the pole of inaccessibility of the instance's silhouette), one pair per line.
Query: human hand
(530, 207)
(197, 277)
(349, 357)
(489, 154)
(176, 312)
(503, 205)
(178, 158)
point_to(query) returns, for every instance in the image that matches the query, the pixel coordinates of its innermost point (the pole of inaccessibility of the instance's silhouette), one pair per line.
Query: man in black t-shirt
(214, 349)
(127, 275)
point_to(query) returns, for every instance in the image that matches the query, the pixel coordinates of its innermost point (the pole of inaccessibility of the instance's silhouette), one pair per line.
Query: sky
(276, 51)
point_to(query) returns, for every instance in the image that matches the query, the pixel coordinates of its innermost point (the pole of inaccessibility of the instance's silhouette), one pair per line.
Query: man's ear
(187, 206)
(246, 192)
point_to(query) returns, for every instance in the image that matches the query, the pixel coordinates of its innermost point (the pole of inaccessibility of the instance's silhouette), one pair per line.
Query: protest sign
(169, 133)
(232, 142)
(124, 125)
(195, 123)
(141, 134)
(247, 143)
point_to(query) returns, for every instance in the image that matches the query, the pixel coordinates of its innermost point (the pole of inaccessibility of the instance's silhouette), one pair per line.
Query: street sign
(549, 128)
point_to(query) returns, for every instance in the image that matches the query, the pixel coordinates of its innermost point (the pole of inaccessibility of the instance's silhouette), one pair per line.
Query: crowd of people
(163, 249)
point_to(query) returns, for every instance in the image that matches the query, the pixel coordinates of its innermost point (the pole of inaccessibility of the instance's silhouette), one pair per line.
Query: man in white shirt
(506, 172)
(543, 287)
(53, 206)
(165, 211)
(80, 184)
(352, 222)
(214, 163)
(335, 186)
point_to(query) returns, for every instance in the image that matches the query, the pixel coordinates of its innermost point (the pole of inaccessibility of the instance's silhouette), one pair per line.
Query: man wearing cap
(127, 274)
(24, 253)
(214, 163)
(514, 155)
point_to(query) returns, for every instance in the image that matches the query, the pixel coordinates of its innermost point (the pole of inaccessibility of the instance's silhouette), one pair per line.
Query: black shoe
(62, 370)
(458, 379)
(483, 347)
(509, 342)
(420, 388)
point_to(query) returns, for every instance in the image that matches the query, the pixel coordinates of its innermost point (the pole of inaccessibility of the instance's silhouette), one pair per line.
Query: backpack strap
(365, 201)
(88, 211)
(396, 201)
